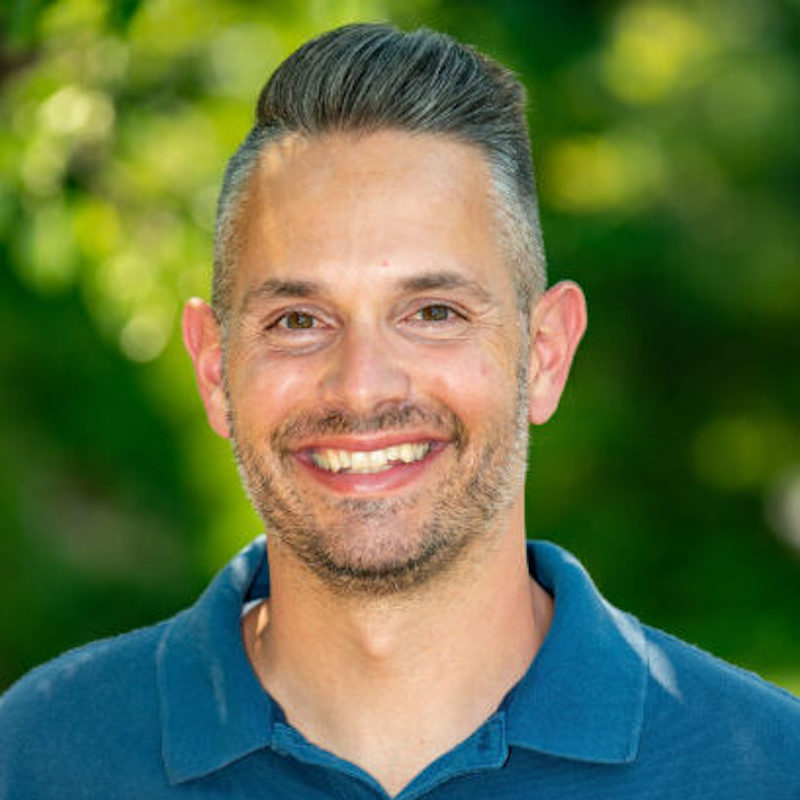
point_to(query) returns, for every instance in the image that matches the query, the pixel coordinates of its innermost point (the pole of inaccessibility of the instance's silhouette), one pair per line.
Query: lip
(397, 477)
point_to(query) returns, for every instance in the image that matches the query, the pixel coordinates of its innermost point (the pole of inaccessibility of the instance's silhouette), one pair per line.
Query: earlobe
(203, 341)
(558, 322)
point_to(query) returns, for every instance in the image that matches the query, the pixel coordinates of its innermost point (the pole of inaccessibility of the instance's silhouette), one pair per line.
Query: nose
(364, 372)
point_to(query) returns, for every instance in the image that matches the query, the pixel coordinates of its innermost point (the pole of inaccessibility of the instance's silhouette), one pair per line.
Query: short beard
(475, 492)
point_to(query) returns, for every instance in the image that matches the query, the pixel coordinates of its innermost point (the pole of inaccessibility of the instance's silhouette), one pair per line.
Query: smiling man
(376, 382)
(380, 338)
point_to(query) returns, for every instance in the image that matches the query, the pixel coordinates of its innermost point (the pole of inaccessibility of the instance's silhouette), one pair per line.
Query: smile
(368, 462)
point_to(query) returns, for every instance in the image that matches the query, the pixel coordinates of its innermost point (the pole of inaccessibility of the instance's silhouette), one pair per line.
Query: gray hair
(370, 76)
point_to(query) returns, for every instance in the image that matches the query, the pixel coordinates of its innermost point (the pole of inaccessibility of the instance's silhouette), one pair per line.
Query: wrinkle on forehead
(367, 189)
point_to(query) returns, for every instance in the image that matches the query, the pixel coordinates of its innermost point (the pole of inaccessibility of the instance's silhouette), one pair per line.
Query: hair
(370, 76)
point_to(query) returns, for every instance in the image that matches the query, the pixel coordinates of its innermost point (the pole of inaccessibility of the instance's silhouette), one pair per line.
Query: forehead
(344, 207)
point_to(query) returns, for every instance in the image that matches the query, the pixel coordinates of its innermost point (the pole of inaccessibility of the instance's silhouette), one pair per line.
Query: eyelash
(294, 312)
(453, 315)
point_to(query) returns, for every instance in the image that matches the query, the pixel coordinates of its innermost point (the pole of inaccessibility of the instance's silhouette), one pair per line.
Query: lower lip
(388, 480)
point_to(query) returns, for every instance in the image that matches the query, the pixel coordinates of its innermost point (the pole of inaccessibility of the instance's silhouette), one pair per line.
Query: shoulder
(108, 670)
(717, 720)
(684, 671)
(89, 711)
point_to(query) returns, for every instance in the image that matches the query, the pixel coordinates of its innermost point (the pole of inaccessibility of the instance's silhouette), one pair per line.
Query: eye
(297, 330)
(296, 321)
(436, 320)
(435, 313)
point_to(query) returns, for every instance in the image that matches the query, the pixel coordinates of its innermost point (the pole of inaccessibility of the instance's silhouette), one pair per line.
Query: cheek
(264, 392)
(475, 385)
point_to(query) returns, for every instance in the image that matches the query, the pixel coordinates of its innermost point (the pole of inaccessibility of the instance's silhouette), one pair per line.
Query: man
(380, 337)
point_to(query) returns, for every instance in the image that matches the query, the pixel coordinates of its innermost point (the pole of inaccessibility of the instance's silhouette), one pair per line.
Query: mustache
(338, 421)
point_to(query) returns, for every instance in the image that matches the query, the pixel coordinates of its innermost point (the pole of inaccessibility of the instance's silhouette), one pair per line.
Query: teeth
(359, 461)
(369, 461)
(377, 459)
(407, 453)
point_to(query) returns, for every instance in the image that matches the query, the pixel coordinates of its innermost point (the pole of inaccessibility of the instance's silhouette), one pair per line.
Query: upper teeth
(368, 461)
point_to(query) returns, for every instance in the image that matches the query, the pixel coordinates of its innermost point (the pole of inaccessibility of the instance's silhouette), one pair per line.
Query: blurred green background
(666, 140)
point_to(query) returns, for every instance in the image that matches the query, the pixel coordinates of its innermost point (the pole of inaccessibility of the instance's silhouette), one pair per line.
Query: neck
(355, 675)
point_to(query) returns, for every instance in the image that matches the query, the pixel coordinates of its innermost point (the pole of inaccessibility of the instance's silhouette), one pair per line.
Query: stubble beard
(359, 550)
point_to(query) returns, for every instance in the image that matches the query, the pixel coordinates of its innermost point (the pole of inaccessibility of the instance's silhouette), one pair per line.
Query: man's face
(375, 364)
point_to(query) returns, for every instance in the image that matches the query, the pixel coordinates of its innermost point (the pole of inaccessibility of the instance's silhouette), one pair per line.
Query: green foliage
(20, 18)
(668, 172)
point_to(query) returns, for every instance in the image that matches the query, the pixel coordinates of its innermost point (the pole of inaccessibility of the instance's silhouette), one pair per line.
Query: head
(377, 242)
(365, 77)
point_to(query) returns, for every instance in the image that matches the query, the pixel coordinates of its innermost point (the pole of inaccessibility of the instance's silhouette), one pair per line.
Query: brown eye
(435, 313)
(297, 320)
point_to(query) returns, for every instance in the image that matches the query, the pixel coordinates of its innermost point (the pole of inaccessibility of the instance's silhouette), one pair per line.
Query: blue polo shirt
(608, 709)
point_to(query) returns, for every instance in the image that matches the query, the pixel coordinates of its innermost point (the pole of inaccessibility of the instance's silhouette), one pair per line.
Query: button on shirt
(609, 708)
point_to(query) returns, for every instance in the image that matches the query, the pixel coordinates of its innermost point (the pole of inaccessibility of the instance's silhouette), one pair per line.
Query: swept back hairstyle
(370, 76)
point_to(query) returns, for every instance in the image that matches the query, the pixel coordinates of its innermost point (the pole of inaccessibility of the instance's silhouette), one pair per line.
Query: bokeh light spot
(145, 336)
(602, 173)
(783, 506)
(735, 453)
(74, 111)
(655, 51)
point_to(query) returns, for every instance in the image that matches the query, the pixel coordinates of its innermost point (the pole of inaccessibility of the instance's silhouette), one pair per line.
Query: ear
(202, 338)
(558, 321)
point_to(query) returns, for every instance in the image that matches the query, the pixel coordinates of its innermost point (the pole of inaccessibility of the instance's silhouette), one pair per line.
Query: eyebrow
(445, 280)
(276, 288)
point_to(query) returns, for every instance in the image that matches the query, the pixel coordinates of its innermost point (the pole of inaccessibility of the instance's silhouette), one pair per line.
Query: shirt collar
(213, 709)
(583, 695)
(582, 698)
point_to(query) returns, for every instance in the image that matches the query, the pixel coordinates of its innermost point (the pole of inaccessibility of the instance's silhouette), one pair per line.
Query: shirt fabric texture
(609, 708)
